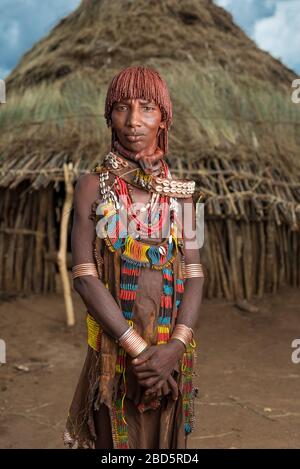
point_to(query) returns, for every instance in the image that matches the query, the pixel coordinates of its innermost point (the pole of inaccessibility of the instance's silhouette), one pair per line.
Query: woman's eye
(149, 108)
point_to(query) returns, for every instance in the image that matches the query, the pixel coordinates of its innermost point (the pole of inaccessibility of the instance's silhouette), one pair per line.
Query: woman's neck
(130, 157)
(123, 151)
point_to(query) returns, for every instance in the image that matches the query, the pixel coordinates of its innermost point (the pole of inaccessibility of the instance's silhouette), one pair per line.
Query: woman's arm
(97, 298)
(189, 308)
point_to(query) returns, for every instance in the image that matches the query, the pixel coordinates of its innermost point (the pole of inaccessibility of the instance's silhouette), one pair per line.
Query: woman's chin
(134, 146)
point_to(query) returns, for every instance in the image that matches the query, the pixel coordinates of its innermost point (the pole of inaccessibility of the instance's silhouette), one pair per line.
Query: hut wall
(27, 240)
(245, 259)
(242, 259)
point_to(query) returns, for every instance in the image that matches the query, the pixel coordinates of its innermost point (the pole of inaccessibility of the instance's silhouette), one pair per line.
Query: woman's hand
(169, 386)
(154, 366)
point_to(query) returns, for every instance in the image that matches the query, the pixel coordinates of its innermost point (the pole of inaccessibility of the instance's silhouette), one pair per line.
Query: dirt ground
(248, 386)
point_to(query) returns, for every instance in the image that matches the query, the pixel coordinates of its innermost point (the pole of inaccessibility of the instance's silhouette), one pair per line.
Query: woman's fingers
(174, 387)
(144, 366)
(155, 387)
(144, 374)
(149, 382)
(141, 367)
(165, 389)
(143, 356)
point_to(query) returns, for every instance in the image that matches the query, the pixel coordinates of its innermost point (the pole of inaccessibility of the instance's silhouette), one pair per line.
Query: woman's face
(136, 123)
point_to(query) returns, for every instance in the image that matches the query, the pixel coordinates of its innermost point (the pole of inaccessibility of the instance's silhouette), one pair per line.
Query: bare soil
(248, 386)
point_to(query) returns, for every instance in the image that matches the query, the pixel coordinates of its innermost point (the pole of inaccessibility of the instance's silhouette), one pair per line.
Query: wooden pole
(62, 253)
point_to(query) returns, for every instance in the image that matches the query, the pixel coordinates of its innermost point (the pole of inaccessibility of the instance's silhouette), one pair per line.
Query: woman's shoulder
(90, 182)
(87, 183)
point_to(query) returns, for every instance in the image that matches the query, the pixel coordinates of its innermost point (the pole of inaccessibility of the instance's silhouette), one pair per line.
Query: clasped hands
(154, 366)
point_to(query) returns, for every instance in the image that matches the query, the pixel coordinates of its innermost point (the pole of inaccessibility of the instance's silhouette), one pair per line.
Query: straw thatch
(236, 132)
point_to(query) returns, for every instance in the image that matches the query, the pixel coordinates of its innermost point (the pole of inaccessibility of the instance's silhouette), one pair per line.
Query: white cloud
(273, 24)
(246, 12)
(24, 22)
(280, 34)
(223, 3)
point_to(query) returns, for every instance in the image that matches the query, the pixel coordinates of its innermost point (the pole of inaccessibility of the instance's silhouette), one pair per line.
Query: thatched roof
(235, 130)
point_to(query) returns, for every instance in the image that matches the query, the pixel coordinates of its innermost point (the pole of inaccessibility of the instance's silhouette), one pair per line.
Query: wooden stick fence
(251, 246)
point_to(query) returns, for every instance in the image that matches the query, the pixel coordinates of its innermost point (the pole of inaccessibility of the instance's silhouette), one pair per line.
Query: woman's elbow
(81, 283)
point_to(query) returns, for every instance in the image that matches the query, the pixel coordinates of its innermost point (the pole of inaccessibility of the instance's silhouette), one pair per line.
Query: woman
(139, 278)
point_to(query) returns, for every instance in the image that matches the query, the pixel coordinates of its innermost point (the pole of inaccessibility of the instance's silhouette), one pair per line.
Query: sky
(23, 23)
(273, 24)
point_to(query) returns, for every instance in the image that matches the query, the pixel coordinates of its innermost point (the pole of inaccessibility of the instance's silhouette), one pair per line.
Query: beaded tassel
(188, 391)
(187, 367)
(120, 432)
(119, 424)
(121, 360)
(130, 272)
(166, 306)
(179, 291)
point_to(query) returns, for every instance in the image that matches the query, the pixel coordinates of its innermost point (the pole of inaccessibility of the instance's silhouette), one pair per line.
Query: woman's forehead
(140, 100)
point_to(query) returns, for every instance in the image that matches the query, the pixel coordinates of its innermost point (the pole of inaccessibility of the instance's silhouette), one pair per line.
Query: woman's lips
(134, 138)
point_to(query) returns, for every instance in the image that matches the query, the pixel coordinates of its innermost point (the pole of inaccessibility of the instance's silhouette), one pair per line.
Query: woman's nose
(133, 118)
